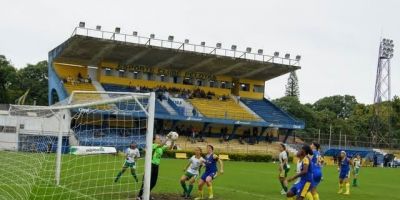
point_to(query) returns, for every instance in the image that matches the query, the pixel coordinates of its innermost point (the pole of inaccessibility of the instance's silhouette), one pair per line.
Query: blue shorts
(344, 174)
(317, 176)
(301, 188)
(206, 174)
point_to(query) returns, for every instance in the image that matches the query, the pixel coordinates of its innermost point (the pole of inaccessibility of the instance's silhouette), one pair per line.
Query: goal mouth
(78, 147)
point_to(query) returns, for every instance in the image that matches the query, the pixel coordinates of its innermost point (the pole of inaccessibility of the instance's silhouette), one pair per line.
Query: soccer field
(242, 180)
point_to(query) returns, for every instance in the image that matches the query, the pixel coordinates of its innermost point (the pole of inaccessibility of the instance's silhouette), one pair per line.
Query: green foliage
(292, 85)
(14, 83)
(344, 114)
(342, 106)
(8, 79)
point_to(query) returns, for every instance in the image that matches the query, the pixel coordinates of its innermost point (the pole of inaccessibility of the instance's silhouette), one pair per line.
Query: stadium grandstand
(211, 91)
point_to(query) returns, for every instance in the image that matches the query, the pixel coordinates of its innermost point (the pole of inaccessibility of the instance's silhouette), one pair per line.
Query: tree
(14, 83)
(292, 86)
(8, 79)
(342, 106)
(35, 79)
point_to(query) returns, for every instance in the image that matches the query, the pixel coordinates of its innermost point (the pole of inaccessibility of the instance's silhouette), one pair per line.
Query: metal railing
(344, 141)
(182, 46)
(231, 147)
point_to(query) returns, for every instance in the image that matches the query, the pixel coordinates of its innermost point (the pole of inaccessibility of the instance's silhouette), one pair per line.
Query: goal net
(76, 149)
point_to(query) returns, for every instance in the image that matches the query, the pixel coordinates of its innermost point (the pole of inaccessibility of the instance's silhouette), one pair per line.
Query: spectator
(241, 140)
(209, 131)
(194, 112)
(193, 135)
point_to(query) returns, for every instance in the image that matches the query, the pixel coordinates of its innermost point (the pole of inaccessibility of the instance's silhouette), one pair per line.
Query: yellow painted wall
(64, 70)
(250, 93)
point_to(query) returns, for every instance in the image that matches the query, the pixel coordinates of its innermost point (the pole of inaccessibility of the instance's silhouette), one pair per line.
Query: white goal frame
(150, 113)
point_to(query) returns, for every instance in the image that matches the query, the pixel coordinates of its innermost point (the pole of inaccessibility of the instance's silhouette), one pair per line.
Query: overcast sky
(338, 40)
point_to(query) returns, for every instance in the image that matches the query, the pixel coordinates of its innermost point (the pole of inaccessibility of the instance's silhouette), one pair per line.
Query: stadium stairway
(270, 112)
(167, 107)
(182, 107)
(227, 109)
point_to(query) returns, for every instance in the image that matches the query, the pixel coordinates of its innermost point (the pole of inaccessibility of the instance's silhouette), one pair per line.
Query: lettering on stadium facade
(167, 72)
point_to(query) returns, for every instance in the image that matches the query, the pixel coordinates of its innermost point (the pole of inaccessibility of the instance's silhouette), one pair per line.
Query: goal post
(92, 121)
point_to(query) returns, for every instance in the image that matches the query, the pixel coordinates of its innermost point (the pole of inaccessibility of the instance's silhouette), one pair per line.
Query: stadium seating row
(227, 109)
(268, 111)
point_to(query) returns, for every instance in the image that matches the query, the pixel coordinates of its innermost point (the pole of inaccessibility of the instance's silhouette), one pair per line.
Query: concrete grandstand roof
(92, 49)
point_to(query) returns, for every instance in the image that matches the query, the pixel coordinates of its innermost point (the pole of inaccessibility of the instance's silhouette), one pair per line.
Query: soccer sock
(340, 187)
(309, 196)
(201, 193)
(134, 176)
(190, 189)
(183, 184)
(347, 187)
(118, 176)
(355, 182)
(210, 191)
(284, 187)
(316, 196)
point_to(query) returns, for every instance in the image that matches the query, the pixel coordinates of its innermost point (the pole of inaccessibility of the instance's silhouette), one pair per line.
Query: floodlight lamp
(98, 27)
(171, 38)
(134, 33)
(186, 41)
(117, 30)
(260, 51)
(203, 44)
(233, 47)
(298, 57)
(81, 24)
(152, 36)
(276, 54)
(248, 49)
(219, 45)
(287, 56)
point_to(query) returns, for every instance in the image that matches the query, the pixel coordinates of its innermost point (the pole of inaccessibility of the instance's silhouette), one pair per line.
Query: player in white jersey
(356, 169)
(191, 170)
(284, 168)
(132, 154)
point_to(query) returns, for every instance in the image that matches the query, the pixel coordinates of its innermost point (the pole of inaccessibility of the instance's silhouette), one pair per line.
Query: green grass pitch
(91, 177)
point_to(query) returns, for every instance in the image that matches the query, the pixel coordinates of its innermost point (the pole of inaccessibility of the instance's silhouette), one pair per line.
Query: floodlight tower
(382, 90)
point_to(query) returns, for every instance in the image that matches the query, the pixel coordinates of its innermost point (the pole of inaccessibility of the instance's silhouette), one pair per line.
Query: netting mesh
(95, 131)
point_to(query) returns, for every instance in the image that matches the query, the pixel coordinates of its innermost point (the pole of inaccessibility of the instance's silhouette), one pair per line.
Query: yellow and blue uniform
(344, 168)
(303, 186)
(211, 167)
(316, 168)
